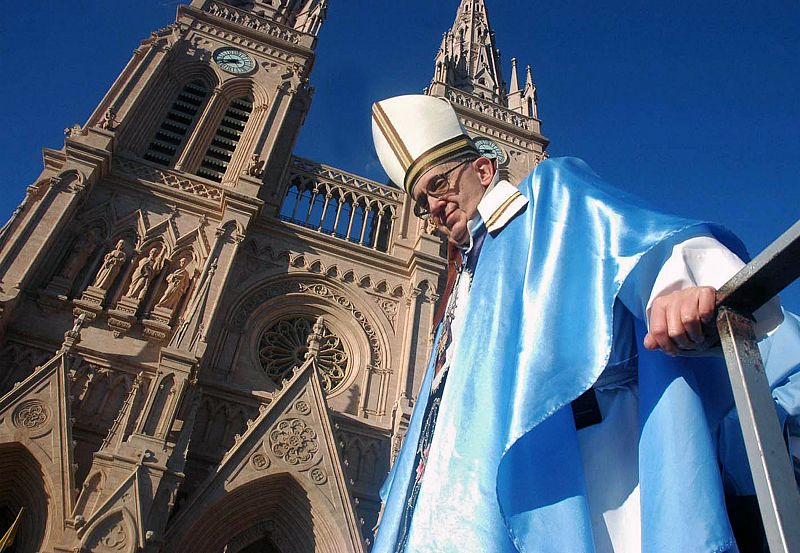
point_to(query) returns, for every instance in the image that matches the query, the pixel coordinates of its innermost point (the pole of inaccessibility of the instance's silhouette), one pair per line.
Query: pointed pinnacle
(528, 77)
(514, 81)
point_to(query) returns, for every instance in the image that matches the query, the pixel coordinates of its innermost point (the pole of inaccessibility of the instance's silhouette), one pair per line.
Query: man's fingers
(659, 330)
(675, 325)
(677, 319)
(707, 304)
(690, 317)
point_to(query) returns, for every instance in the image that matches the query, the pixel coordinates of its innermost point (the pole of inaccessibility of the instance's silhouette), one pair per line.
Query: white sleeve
(703, 261)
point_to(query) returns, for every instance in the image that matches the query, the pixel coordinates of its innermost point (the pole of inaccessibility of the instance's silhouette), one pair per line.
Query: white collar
(499, 205)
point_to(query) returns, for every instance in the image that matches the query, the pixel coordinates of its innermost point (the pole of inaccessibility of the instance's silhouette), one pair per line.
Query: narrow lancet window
(222, 146)
(176, 125)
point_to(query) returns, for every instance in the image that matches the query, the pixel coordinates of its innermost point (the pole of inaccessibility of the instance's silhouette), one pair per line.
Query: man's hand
(677, 319)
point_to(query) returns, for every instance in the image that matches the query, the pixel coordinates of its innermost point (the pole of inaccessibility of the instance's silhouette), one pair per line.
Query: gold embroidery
(500, 210)
(436, 155)
(391, 135)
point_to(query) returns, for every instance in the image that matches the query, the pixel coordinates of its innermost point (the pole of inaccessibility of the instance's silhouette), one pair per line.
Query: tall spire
(468, 58)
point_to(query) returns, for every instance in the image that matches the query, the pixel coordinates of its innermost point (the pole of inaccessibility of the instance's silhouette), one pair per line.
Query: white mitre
(414, 133)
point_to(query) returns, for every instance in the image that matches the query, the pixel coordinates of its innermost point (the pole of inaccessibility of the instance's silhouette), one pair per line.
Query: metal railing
(761, 279)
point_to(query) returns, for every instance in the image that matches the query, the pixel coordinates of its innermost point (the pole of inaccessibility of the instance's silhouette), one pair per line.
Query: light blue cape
(504, 472)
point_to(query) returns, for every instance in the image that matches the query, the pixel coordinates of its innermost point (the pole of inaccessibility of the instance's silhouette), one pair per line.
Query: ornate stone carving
(151, 174)
(255, 166)
(389, 308)
(112, 263)
(324, 291)
(303, 407)
(318, 475)
(143, 275)
(258, 299)
(248, 19)
(109, 119)
(31, 414)
(314, 339)
(74, 130)
(17, 362)
(177, 284)
(351, 181)
(429, 226)
(490, 108)
(289, 342)
(116, 538)
(260, 461)
(293, 441)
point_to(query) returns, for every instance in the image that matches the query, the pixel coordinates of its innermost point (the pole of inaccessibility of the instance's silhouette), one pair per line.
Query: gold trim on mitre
(391, 135)
(446, 151)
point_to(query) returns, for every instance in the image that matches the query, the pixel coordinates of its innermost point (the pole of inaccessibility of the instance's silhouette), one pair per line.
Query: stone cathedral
(208, 343)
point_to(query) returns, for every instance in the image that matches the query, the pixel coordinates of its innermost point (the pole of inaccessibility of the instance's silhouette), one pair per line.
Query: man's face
(467, 184)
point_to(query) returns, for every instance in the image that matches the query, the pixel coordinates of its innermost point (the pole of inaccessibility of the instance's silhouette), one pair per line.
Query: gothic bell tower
(503, 121)
(113, 276)
(208, 343)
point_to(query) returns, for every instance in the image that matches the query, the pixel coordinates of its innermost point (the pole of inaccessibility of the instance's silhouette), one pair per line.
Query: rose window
(286, 344)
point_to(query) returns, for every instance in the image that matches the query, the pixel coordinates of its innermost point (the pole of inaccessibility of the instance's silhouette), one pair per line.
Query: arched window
(222, 146)
(176, 125)
(289, 203)
(329, 221)
(384, 231)
(358, 221)
(343, 224)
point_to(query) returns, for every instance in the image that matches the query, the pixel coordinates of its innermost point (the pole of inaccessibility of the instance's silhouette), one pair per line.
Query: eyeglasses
(437, 187)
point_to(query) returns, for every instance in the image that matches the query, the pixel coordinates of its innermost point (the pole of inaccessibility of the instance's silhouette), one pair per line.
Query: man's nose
(436, 206)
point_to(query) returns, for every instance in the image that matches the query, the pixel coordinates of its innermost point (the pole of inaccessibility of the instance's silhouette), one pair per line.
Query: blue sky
(692, 105)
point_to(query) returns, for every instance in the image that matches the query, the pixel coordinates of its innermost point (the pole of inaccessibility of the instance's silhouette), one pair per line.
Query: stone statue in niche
(177, 285)
(143, 275)
(80, 253)
(112, 263)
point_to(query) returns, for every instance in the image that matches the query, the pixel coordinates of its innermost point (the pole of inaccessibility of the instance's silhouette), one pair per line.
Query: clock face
(234, 61)
(488, 148)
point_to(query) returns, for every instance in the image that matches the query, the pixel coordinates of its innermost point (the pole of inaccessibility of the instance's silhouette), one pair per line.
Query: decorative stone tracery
(294, 441)
(31, 414)
(255, 300)
(285, 345)
(324, 291)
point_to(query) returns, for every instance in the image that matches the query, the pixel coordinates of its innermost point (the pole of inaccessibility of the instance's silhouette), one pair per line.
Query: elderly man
(540, 425)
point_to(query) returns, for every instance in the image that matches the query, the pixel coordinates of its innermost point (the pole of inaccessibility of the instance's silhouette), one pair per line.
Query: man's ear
(485, 169)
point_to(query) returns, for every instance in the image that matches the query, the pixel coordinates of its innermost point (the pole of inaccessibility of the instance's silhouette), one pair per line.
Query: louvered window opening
(176, 124)
(219, 153)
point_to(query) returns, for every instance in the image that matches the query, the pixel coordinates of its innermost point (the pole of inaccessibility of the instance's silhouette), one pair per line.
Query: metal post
(773, 476)
(772, 471)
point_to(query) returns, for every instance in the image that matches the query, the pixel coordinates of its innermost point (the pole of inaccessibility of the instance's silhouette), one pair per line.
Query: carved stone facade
(206, 343)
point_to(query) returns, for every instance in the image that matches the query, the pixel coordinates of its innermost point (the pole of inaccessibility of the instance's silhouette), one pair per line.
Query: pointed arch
(23, 483)
(90, 494)
(115, 532)
(164, 392)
